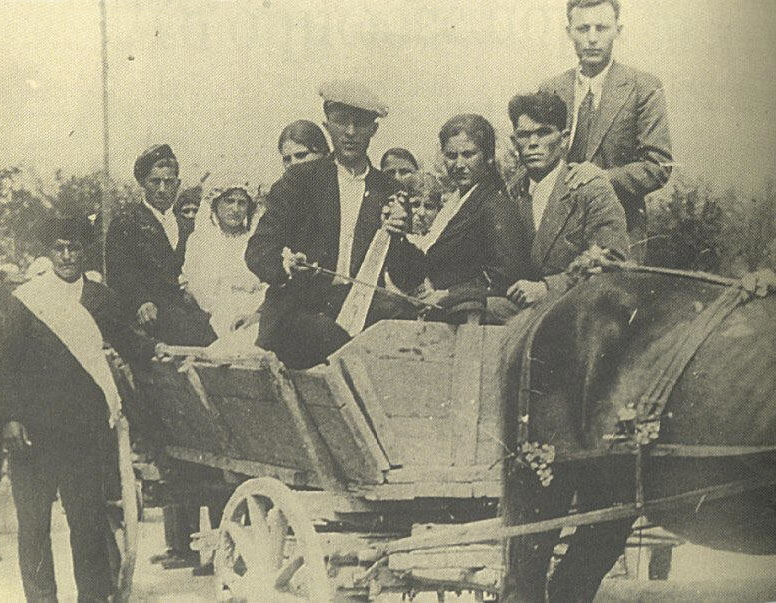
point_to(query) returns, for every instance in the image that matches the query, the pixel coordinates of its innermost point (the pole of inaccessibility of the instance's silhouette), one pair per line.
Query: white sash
(52, 301)
(352, 315)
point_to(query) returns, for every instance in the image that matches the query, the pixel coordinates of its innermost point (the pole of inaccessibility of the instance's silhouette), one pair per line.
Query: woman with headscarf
(301, 141)
(399, 163)
(475, 241)
(214, 271)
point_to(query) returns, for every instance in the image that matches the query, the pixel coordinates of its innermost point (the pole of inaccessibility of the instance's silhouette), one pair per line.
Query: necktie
(578, 150)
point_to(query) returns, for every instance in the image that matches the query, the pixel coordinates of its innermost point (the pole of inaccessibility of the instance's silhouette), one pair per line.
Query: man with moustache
(327, 212)
(618, 118)
(58, 403)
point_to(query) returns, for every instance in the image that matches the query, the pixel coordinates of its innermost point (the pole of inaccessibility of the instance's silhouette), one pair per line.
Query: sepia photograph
(465, 300)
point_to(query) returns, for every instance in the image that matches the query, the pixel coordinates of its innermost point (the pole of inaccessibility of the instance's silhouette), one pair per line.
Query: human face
(541, 146)
(464, 160)
(67, 258)
(398, 168)
(161, 187)
(189, 211)
(424, 210)
(593, 31)
(350, 130)
(293, 152)
(232, 211)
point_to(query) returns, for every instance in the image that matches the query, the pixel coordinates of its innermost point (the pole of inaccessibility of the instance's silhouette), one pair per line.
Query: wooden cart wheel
(267, 547)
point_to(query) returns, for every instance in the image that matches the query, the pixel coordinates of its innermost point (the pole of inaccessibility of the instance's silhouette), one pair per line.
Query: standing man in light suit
(618, 116)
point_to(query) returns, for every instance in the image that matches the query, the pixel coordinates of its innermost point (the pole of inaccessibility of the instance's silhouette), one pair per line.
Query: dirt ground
(698, 574)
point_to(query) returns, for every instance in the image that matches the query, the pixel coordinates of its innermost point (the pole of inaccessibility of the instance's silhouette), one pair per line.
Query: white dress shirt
(540, 193)
(168, 221)
(352, 189)
(583, 84)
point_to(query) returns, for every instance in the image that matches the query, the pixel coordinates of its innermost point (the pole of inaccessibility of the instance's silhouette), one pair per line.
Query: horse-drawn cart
(377, 472)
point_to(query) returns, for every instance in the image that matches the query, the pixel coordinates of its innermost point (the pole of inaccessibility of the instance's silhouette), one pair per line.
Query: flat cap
(353, 94)
(145, 162)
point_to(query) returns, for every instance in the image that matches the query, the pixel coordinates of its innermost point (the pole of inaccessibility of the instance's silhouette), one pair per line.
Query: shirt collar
(595, 83)
(69, 291)
(346, 173)
(159, 215)
(547, 182)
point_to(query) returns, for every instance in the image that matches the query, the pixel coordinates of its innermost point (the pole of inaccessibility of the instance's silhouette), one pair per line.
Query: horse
(574, 376)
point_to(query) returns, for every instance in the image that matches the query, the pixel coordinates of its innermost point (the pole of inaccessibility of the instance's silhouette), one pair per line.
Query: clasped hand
(15, 437)
(394, 216)
(525, 293)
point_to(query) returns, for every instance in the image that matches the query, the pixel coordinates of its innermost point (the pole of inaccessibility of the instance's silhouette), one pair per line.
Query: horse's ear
(599, 336)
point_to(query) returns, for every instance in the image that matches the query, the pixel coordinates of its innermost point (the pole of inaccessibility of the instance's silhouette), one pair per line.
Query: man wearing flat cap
(58, 403)
(144, 252)
(327, 212)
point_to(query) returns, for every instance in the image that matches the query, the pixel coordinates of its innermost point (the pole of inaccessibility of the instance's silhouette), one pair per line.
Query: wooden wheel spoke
(245, 546)
(257, 514)
(278, 528)
(285, 573)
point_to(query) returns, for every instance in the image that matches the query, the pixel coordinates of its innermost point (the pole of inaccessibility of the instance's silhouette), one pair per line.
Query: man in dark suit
(57, 401)
(561, 223)
(144, 252)
(327, 212)
(618, 116)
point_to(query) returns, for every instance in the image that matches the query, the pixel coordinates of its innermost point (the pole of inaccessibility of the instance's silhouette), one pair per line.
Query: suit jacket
(141, 266)
(629, 135)
(43, 386)
(483, 245)
(572, 222)
(303, 214)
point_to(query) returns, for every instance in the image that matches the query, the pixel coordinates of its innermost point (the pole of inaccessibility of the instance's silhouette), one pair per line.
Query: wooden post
(129, 506)
(105, 201)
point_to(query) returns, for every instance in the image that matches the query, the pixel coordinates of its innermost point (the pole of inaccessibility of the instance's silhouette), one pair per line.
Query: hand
(394, 216)
(162, 350)
(147, 313)
(525, 293)
(293, 262)
(15, 437)
(582, 173)
(433, 296)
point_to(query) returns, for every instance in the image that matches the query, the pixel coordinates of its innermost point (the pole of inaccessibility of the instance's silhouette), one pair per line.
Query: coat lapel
(554, 220)
(462, 220)
(368, 219)
(327, 199)
(616, 90)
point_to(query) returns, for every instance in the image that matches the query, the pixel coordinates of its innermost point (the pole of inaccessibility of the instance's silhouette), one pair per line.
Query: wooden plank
(287, 475)
(472, 556)
(489, 446)
(486, 530)
(320, 458)
(465, 393)
(341, 423)
(443, 473)
(355, 372)
(387, 492)
(423, 440)
(411, 387)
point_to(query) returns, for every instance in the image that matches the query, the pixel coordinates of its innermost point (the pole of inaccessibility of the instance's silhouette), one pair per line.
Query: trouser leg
(84, 503)
(308, 339)
(33, 486)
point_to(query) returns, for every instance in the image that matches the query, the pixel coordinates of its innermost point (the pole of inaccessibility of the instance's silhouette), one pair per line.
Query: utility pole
(105, 205)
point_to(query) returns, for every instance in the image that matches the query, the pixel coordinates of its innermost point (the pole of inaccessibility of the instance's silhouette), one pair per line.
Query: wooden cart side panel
(188, 422)
(465, 393)
(489, 445)
(341, 424)
(260, 423)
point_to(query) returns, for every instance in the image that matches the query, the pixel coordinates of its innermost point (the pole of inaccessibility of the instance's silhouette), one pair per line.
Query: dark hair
(399, 153)
(304, 132)
(542, 107)
(475, 127)
(572, 4)
(190, 196)
(251, 203)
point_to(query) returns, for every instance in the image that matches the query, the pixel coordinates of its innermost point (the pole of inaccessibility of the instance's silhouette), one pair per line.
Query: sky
(218, 79)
